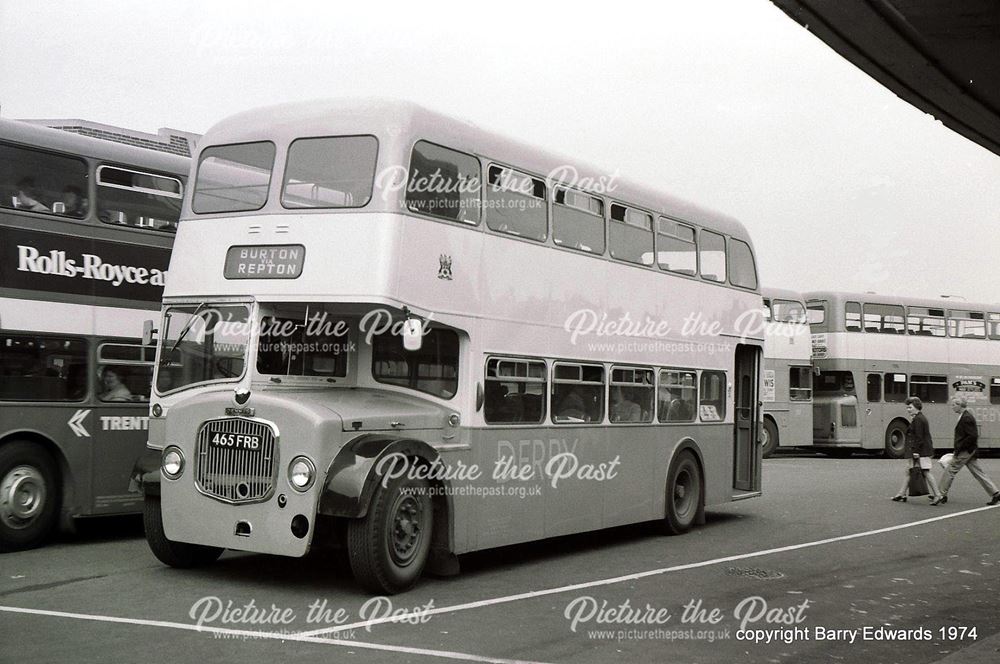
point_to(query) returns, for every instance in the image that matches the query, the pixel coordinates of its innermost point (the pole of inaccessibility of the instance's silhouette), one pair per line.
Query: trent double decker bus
(85, 232)
(388, 329)
(873, 351)
(787, 380)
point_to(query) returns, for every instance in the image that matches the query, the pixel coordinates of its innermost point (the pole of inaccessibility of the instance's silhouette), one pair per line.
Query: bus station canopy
(939, 56)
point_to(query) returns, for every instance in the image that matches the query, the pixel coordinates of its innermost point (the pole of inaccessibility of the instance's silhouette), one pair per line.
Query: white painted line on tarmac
(638, 575)
(276, 636)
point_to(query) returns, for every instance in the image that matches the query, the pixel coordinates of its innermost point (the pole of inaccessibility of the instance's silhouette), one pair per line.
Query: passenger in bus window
(74, 201)
(623, 409)
(114, 388)
(27, 196)
(571, 407)
(919, 449)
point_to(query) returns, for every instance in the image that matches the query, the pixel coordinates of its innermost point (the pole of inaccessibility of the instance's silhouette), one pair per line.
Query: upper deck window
(36, 181)
(884, 318)
(134, 198)
(742, 271)
(926, 322)
(676, 248)
(578, 221)
(233, 178)
(713, 256)
(789, 311)
(332, 172)
(816, 315)
(994, 321)
(630, 235)
(852, 316)
(515, 203)
(444, 183)
(967, 324)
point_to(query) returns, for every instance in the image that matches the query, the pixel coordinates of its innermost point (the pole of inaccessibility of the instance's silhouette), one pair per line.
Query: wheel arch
(354, 474)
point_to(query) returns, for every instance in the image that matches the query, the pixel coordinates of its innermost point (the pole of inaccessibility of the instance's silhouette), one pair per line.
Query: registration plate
(234, 441)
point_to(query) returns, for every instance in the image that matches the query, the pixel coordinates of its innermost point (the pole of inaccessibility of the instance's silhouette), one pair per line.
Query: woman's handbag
(918, 485)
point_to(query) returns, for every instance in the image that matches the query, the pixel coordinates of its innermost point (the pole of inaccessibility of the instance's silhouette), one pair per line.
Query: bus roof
(399, 121)
(882, 298)
(28, 134)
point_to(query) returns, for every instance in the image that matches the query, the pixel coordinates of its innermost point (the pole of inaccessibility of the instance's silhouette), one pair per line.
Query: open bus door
(746, 449)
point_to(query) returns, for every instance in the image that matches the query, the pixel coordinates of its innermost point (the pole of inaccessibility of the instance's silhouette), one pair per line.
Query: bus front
(281, 341)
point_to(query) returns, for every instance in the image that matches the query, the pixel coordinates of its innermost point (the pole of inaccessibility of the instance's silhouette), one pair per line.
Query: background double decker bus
(787, 380)
(85, 232)
(283, 414)
(873, 351)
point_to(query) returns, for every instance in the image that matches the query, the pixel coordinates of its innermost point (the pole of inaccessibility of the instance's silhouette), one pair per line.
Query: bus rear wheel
(29, 496)
(169, 552)
(895, 440)
(389, 546)
(684, 494)
(769, 437)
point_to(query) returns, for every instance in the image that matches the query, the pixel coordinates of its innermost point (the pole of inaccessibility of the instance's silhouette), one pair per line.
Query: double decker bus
(787, 380)
(873, 351)
(389, 330)
(85, 232)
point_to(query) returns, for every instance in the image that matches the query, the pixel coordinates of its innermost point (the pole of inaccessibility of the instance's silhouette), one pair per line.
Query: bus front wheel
(895, 440)
(684, 493)
(169, 552)
(29, 495)
(389, 546)
(769, 437)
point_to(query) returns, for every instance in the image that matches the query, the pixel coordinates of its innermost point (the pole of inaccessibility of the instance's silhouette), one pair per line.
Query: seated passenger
(571, 407)
(73, 199)
(114, 388)
(27, 196)
(622, 409)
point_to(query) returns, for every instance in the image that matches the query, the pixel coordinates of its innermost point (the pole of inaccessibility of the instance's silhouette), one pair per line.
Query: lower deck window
(678, 396)
(631, 397)
(432, 369)
(577, 393)
(929, 389)
(514, 391)
(800, 384)
(713, 396)
(895, 387)
(36, 368)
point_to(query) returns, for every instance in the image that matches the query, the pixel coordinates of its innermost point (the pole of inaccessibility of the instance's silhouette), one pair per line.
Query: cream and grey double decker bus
(392, 331)
(872, 351)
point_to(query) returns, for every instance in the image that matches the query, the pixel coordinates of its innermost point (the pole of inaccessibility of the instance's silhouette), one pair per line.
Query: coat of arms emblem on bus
(444, 271)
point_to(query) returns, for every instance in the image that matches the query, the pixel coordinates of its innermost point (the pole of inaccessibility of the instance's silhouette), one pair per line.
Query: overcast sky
(727, 103)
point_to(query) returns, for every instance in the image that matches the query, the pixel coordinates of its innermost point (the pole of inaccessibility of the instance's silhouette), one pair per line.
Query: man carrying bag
(966, 447)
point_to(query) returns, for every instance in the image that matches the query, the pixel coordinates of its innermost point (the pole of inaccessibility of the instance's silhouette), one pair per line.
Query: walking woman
(919, 448)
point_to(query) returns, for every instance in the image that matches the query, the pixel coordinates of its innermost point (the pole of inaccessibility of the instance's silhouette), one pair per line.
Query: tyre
(168, 552)
(29, 495)
(684, 493)
(895, 440)
(388, 548)
(769, 437)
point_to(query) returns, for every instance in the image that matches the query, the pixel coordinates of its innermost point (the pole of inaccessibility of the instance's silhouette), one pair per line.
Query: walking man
(966, 446)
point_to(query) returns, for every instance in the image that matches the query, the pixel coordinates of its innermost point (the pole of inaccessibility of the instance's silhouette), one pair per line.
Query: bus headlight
(173, 462)
(301, 473)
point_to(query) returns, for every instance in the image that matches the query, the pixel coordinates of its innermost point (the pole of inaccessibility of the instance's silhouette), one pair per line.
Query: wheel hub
(406, 529)
(22, 496)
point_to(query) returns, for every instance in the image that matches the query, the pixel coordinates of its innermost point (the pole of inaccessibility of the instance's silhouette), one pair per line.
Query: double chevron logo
(76, 423)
